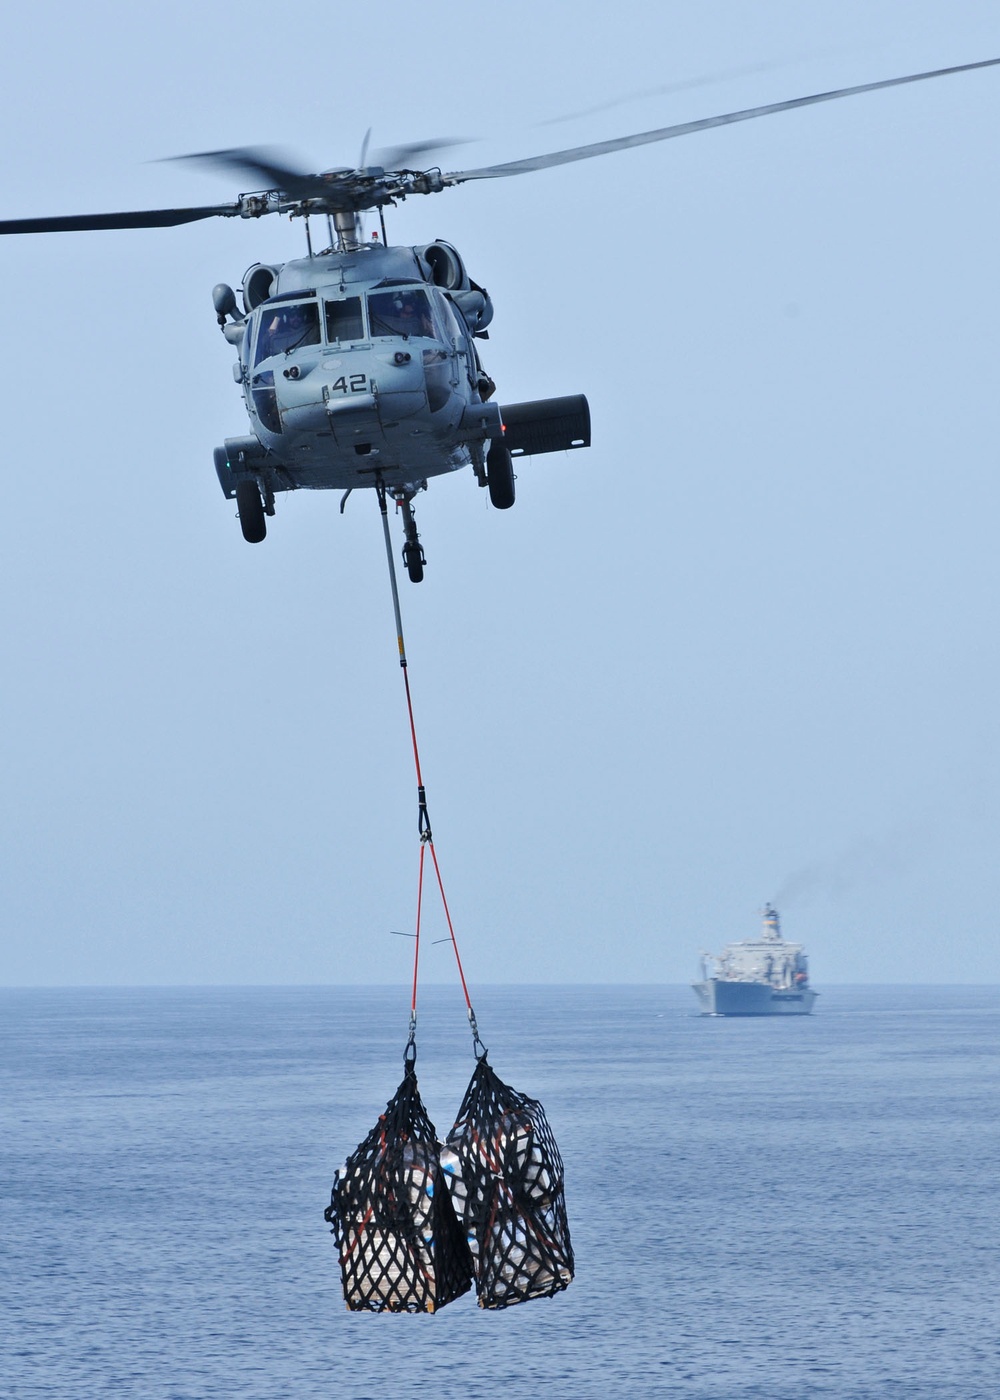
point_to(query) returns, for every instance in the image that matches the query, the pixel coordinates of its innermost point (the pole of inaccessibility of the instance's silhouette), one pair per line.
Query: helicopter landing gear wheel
(500, 475)
(413, 555)
(413, 558)
(251, 509)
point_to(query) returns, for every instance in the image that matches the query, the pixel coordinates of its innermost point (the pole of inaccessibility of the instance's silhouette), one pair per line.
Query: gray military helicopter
(358, 363)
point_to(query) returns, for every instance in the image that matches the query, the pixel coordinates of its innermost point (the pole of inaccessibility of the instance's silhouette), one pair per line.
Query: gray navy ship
(758, 977)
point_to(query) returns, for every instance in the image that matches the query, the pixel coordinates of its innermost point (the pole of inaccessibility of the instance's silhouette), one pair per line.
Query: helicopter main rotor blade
(333, 191)
(137, 218)
(269, 168)
(402, 157)
(265, 167)
(665, 133)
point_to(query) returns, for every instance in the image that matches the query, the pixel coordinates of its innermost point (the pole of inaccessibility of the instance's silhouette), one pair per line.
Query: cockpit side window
(285, 327)
(400, 312)
(449, 328)
(343, 320)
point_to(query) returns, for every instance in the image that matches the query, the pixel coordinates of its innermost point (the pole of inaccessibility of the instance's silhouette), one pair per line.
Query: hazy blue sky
(743, 648)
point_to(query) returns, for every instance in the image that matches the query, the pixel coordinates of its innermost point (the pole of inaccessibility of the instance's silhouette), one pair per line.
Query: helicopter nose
(368, 389)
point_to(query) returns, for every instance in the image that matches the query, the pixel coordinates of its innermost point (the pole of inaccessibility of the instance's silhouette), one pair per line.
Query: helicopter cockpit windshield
(400, 312)
(284, 328)
(343, 320)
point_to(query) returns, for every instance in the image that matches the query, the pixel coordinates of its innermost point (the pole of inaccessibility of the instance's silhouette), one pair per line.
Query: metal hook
(478, 1048)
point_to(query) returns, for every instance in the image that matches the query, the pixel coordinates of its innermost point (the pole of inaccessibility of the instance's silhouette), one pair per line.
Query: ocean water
(770, 1208)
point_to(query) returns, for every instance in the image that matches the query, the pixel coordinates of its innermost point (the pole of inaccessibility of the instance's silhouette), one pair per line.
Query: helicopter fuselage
(359, 364)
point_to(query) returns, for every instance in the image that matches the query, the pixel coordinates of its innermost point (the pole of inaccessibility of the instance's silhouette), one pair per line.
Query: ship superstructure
(766, 976)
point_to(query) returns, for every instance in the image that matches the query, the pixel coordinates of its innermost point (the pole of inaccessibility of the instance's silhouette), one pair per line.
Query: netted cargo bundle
(505, 1176)
(401, 1247)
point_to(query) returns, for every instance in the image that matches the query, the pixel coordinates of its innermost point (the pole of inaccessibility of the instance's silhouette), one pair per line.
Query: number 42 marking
(358, 384)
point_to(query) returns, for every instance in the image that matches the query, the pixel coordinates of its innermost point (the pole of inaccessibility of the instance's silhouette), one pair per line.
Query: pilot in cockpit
(413, 316)
(289, 327)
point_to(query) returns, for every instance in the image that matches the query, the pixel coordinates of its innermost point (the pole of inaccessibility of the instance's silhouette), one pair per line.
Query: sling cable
(423, 819)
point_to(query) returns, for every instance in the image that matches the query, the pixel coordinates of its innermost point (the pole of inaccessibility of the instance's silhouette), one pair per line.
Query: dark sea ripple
(765, 1208)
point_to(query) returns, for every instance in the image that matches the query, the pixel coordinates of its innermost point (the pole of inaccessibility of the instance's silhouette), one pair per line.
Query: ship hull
(718, 997)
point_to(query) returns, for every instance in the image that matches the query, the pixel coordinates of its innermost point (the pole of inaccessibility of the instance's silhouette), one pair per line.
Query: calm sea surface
(772, 1208)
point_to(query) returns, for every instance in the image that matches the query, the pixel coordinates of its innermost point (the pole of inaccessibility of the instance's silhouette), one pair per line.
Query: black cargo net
(505, 1176)
(401, 1248)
